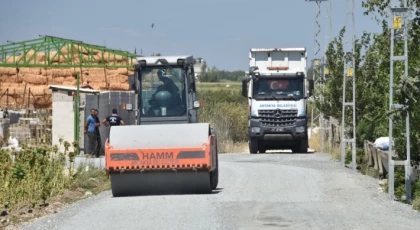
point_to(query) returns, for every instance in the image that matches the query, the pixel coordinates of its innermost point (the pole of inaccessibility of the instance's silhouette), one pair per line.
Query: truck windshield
(162, 92)
(279, 88)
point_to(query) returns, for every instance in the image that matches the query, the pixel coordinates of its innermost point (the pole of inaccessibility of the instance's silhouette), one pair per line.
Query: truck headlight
(255, 129)
(300, 129)
(254, 113)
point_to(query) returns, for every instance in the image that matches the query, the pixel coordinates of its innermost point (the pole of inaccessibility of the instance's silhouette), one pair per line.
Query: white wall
(62, 118)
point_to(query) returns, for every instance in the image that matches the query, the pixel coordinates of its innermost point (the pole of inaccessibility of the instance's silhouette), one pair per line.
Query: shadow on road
(285, 152)
(214, 192)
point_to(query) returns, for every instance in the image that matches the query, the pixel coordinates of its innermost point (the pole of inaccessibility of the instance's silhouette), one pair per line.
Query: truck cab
(277, 89)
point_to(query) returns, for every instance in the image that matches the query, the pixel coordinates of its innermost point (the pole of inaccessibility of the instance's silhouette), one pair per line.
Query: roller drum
(160, 183)
(161, 179)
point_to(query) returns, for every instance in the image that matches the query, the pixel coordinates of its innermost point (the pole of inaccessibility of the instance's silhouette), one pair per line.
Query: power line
(317, 65)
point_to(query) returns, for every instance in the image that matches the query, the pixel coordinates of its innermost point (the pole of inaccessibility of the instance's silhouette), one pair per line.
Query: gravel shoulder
(264, 191)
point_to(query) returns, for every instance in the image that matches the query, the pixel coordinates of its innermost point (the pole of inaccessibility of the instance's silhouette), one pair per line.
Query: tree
(204, 67)
(372, 82)
(215, 75)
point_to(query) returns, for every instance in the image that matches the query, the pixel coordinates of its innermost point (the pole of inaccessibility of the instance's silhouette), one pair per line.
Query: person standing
(98, 135)
(90, 128)
(113, 120)
(5, 113)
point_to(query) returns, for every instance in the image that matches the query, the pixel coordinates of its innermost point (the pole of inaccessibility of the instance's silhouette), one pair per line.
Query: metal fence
(378, 160)
(104, 103)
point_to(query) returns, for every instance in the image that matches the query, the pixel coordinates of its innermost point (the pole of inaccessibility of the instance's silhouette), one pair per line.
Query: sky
(220, 31)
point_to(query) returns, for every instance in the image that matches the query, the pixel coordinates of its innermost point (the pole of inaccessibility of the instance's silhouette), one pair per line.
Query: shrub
(31, 175)
(35, 174)
(227, 111)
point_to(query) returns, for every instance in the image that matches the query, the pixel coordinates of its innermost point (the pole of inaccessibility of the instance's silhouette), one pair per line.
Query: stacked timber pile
(20, 87)
(33, 128)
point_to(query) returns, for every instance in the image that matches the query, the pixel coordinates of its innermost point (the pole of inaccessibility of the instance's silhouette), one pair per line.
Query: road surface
(265, 191)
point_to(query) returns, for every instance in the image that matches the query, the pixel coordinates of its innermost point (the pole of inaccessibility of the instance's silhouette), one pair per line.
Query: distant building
(199, 63)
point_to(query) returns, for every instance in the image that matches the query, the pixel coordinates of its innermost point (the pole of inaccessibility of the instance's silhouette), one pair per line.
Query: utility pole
(326, 71)
(317, 67)
(349, 74)
(399, 32)
(328, 26)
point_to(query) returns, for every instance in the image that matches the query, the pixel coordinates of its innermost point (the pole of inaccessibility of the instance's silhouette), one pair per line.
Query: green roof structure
(55, 52)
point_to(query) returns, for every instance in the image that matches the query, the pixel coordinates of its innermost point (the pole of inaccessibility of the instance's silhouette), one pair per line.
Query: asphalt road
(268, 191)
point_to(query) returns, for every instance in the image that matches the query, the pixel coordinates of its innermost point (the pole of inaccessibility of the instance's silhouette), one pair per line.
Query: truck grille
(278, 117)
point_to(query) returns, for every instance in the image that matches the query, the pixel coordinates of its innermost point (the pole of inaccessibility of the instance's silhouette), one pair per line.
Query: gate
(104, 103)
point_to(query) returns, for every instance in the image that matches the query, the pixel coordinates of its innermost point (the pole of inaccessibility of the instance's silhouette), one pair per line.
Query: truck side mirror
(311, 86)
(245, 88)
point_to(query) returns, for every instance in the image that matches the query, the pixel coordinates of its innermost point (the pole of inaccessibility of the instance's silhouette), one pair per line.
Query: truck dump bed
(272, 60)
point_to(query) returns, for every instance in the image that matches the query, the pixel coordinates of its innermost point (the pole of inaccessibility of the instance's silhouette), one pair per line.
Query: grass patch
(315, 143)
(37, 182)
(91, 179)
(416, 204)
(218, 85)
(231, 147)
(399, 188)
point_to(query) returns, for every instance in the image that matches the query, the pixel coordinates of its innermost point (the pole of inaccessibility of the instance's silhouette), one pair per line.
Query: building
(63, 114)
(199, 63)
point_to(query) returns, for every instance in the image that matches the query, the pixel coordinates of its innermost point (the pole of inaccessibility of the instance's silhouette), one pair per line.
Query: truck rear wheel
(253, 146)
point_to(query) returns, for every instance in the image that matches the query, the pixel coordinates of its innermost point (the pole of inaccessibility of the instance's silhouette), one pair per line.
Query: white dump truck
(277, 89)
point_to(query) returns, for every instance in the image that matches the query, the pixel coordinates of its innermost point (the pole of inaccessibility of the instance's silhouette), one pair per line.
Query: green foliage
(215, 75)
(416, 190)
(203, 86)
(213, 97)
(399, 184)
(416, 204)
(372, 67)
(34, 174)
(227, 111)
(31, 175)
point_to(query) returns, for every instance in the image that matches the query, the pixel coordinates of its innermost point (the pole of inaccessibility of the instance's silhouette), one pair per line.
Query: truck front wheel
(262, 148)
(253, 146)
(303, 145)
